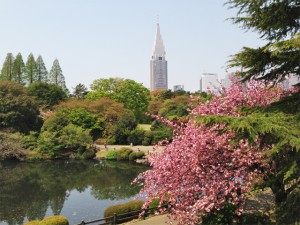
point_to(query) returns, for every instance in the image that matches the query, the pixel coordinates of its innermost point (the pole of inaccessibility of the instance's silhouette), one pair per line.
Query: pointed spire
(159, 48)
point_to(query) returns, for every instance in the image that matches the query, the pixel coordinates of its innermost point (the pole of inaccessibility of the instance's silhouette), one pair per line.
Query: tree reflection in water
(28, 190)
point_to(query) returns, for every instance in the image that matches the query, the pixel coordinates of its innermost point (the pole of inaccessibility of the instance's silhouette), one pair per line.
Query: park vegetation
(244, 138)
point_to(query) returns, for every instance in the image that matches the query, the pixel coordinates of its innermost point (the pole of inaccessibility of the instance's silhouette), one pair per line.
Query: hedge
(123, 208)
(136, 155)
(52, 220)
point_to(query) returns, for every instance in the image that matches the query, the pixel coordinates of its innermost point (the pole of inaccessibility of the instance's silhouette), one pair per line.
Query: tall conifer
(6, 72)
(30, 69)
(18, 70)
(56, 76)
(41, 71)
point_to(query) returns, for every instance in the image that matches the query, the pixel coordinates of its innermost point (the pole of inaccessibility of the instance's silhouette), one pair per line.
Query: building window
(159, 58)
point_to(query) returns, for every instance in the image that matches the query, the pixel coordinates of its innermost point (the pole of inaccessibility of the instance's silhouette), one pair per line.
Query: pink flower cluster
(204, 166)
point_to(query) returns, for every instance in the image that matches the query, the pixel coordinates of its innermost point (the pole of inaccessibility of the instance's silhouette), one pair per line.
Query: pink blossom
(202, 167)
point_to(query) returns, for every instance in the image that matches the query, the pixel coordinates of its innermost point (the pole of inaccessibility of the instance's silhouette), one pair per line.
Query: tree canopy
(133, 95)
(210, 162)
(7, 69)
(278, 22)
(18, 110)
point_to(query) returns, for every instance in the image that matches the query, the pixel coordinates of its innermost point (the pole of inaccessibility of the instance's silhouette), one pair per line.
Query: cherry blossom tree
(208, 164)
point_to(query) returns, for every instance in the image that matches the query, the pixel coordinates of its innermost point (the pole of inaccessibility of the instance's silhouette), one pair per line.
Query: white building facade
(178, 87)
(209, 82)
(158, 64)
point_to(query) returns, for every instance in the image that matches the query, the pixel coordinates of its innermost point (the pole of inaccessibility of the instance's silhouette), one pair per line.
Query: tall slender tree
(6, 72)
(18, 70)
(41, 71)
(30, 69)
(56, 76)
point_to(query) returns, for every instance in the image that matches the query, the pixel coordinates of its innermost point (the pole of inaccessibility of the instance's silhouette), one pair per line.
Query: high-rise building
(178, 87)
(209, 82)
(158, 64)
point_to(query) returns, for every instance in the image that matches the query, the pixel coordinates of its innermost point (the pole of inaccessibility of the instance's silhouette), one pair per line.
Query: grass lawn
(144, 126)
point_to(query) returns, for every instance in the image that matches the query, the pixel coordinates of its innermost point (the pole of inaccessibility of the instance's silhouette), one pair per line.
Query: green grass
(101, 154)
(144, 126)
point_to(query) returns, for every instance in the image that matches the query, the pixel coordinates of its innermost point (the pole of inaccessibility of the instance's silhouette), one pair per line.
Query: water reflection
(76, 189)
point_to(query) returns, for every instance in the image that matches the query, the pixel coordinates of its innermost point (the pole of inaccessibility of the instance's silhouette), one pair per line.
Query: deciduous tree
(210, 162)
(18, 111)
(133, 95)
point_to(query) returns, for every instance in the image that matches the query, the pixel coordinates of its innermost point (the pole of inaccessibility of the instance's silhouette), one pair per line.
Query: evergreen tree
(56, 76)
(278, 22)
(30, 69)
(80, 91)
(7, 69)
(41, 71)
(18, 70)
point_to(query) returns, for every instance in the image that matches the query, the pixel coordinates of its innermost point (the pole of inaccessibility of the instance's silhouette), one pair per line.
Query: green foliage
(160, 134)
(280, 56)
(254, 218)
(30, 69)
(289, 210)
(34, 222)
(7, 69)
(73, 137)
(10, 147)
(30, 141)
(136, 136)
(225, 216)
(123, 208)
(56, 76)
(80, 91)
(55, 220)
(61, 133)
(133, 95)
(136, 155)
(88, 154)
(41, 71)
(18, 70)
(18, 111)
(123, 153)
(277, 126)
(147, 138)
(111, 155)
(46, 95)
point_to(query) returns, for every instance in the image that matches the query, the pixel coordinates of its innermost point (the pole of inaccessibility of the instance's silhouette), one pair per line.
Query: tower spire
(158, 48)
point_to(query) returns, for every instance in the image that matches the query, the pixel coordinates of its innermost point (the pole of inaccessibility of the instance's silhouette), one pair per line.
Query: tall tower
(158, 64)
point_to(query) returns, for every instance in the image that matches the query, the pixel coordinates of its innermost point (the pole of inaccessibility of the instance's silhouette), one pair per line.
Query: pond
(79, 190)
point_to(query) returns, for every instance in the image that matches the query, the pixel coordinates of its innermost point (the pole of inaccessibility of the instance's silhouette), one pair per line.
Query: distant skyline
(95, 39)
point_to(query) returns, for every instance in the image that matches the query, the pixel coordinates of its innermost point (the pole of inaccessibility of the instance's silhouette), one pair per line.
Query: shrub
(123, 208)
(136, 136)
(10, 147)
(111, 155)
(88, 154)
(123, 153)
(55, 220)
(136, 155)
(147, 138)
(254, 218)
(225, 216)
(34, 222)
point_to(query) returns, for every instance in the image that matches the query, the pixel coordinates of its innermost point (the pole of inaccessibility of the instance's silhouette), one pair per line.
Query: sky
(95, 39)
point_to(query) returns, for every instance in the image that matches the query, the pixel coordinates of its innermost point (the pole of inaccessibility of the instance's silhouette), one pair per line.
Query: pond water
(79, 190)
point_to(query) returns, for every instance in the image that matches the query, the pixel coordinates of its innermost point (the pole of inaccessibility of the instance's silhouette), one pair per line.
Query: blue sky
(95, 39)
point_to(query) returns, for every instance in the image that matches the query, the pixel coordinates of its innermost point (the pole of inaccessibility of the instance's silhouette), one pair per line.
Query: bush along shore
(122, 154)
